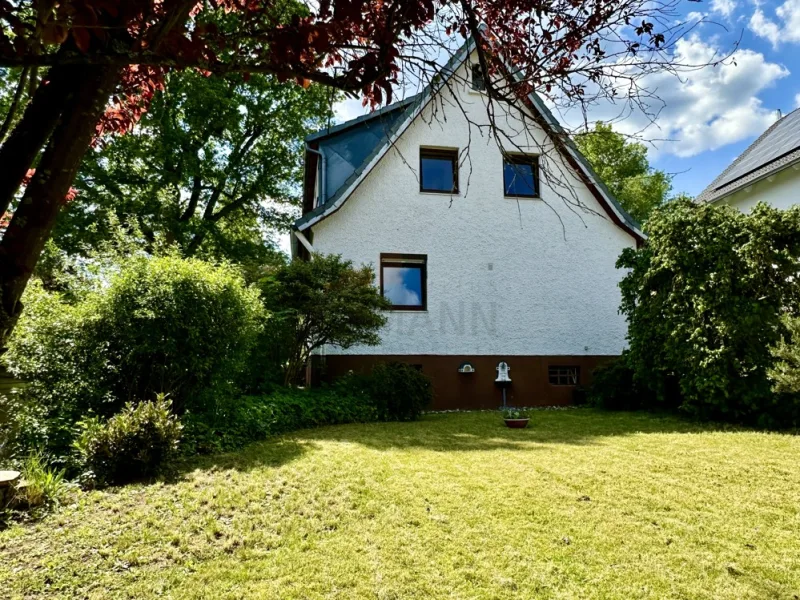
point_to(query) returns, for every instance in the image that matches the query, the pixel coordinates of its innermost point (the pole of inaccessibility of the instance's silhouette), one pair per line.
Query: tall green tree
(624, 168)
(213, 167)
(704, 299)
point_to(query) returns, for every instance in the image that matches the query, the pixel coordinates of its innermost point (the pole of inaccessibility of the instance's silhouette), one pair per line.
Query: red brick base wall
(529, 386)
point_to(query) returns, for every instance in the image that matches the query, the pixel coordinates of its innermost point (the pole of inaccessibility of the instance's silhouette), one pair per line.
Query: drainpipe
(321, 195)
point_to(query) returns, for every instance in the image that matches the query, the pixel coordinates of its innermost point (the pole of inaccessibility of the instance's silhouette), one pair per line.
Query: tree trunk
(29, 136)
(38, 210)
(15, 101)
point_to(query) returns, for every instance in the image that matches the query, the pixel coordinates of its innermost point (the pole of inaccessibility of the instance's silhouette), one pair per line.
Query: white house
(487, 255)
(768, 171)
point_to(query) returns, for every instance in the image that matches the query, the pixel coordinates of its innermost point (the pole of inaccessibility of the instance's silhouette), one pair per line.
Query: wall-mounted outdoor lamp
(466, 368)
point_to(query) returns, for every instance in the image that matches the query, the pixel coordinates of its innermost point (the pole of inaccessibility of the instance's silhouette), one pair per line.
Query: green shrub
(400, 391)
(254, 418)
(325, 300)
(41, 487)
(613, 387)
(704, 298)
(785, 374)
(158, 325)
(131, 445)
(176, 326)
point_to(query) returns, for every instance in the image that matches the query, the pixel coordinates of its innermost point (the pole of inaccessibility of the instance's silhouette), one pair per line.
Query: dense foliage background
(707, 299)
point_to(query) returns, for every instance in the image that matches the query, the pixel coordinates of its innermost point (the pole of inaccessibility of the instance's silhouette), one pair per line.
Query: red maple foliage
(355, 45)
(107, 58)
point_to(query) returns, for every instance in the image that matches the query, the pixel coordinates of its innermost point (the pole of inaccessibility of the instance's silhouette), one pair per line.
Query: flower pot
(516, 423)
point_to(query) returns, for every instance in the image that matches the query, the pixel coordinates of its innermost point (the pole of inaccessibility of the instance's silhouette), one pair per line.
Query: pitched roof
(777, 148)
(391, 121)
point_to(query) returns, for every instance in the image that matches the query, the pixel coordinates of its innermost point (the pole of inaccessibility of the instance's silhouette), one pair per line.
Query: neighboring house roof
(776, 149)
(356, 146)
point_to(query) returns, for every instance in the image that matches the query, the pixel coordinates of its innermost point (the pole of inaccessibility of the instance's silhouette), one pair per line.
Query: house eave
(744, 183)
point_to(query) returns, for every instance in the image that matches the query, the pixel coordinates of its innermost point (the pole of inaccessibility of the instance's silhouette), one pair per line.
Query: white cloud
(764, 28)
(705, 109)
(396, 290)
(787, 30)
(349, 109)
(723, 7)
(797, 100)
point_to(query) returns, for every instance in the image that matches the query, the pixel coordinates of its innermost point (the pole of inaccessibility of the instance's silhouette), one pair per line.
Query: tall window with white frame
(404, 280)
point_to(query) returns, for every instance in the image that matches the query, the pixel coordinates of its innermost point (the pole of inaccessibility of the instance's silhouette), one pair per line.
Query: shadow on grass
(452, 432)
(271, 453)
(483, 431)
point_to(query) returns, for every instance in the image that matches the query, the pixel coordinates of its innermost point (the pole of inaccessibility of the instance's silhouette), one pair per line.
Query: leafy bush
(41, 487)
(159, 325)
(176, 326)
(400, 391)
(253, 418)
(325, 300)
(785, 373)
(131, 445)
(613, 387)
(704, 299)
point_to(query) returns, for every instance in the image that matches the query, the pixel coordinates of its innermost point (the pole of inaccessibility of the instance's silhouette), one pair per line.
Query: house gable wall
(782, 192)
(504, 276)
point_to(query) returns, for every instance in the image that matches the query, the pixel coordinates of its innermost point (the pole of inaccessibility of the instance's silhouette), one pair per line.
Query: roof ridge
(414, 104)
(709, 193)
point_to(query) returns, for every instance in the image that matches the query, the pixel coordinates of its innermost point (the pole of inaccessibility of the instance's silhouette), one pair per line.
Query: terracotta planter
(516, 423)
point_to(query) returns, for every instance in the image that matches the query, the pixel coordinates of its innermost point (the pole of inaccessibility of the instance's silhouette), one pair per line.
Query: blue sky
(713, 114)
(770, 74)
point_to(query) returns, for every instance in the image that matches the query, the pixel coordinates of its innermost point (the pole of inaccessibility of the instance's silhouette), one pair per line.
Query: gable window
(404, 280)
(563, 375)
(521, 176)
(438, 170)
(478, 82)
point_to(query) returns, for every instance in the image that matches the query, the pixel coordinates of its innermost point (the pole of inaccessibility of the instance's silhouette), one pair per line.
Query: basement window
(438, 170)
(404, 280)
(563, 375)
(521, 176)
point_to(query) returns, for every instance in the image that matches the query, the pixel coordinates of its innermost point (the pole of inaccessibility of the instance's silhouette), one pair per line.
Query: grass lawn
(583, 504)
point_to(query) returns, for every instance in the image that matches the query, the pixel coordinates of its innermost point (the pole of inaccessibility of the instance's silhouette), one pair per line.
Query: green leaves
(155, 325)
(623, 166)
(131, 445)
(704, 300)
(213, 168)
(325, 300)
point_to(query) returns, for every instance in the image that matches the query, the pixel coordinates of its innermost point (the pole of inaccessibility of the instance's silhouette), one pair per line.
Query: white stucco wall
(526, 277)
(781, 192)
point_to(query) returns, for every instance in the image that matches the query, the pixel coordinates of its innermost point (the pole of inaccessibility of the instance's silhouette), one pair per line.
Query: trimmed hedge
(253, 418)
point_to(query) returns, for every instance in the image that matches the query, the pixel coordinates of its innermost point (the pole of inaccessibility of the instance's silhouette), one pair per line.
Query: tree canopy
(325, 300)
(106, 59)
(623, 166)
(704, 300)
(213, 167)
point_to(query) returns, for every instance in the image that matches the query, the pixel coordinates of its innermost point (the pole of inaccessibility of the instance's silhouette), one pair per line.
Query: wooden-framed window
(404, 280)
(438, 170)
(558, 375)
(521, 176)
(478, 82)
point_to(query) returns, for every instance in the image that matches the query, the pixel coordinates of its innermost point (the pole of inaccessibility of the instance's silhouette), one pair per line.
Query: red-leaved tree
(102, 60)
